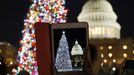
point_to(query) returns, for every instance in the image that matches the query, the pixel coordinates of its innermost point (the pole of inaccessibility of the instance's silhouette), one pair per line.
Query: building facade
(8, 55)
(114, 51)
(101, 18)
(104, 34)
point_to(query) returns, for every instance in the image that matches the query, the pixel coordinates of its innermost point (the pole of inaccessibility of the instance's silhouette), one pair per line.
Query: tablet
(69, 44)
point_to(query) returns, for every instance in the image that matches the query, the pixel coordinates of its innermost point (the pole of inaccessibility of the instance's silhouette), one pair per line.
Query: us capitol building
(101, 19)
(104, 33)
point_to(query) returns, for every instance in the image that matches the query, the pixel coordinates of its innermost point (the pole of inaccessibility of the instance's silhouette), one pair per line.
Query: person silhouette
(93, 61)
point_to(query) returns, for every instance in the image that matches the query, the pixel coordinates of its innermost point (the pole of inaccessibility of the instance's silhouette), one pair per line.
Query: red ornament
(33, 44)
(33, 35)
(20, 65)
(20, 49)
(47, 8)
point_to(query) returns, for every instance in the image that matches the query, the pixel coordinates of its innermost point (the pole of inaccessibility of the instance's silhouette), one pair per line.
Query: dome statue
(101, 18)
(77, 50)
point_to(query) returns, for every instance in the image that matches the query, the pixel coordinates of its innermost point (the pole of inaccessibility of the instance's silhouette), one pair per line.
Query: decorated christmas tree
(48, 11)
(62, 61)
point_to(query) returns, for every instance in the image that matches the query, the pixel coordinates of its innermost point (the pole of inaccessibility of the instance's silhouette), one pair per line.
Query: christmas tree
(48, 11)
(63, 62)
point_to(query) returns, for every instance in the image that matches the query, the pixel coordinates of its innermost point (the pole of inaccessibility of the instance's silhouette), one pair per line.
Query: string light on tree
(48, 11)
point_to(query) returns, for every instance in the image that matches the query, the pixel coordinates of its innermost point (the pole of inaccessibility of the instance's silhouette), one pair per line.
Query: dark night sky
(13, 12)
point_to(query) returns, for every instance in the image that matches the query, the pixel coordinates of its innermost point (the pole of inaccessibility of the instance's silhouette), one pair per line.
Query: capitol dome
(101, 19)
(77, 50)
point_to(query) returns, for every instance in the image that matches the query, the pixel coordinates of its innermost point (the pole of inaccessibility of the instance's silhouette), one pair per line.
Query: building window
(11, 63)
(105, 60)
(114, 60)
(103, 30)
(102, 64)
(125, 55)
(124, 46)
(97, 31)
(102, 55)
(110, 55)
(109, 47)
(113, 68)
(0, 63)
(101, 48)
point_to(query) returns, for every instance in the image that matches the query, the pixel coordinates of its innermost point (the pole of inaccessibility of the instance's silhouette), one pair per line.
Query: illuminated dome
(101, 19)
(77, 50)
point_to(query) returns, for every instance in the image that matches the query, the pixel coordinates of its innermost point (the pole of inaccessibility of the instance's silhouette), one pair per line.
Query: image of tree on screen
(62, 61)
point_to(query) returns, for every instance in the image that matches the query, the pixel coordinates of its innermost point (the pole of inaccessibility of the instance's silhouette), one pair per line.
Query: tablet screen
(69, 43)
